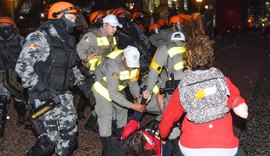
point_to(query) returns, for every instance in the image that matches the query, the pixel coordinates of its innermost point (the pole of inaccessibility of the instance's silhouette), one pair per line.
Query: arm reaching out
(241, 110)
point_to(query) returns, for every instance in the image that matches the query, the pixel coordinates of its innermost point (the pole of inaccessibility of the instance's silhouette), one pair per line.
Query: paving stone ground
(245, 58)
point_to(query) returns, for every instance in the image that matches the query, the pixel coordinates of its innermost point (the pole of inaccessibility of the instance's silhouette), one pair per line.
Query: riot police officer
(10, 47)
(48, 68)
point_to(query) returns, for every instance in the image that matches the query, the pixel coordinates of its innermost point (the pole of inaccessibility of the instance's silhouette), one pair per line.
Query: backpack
(204, 95)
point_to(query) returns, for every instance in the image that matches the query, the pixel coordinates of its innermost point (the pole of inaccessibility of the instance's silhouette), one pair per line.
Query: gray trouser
(106, 111)
(60, 122)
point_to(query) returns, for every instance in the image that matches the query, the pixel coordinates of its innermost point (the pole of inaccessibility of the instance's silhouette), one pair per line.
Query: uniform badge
(32, 46)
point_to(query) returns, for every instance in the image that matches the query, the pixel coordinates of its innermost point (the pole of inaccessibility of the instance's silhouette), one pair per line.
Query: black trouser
(3, 113)
(240, 152)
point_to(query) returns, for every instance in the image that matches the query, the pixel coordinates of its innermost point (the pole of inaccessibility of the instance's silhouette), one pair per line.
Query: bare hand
(160, 100)
(92, 56)
(138, 107)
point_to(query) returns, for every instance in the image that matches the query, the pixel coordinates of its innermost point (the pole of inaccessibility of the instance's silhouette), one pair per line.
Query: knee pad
(43, 147)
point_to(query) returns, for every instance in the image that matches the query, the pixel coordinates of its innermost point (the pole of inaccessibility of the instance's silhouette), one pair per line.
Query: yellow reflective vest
(125, 75)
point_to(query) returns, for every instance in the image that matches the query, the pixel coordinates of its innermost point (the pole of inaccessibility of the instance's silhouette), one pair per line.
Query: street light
(199, 5)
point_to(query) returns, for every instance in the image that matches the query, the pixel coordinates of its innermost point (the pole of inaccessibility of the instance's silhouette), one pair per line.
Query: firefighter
(166, 71)
(11, 43)
(118, 70)
(164, 35)
(48, 68)
(95, 20)
(94, 45)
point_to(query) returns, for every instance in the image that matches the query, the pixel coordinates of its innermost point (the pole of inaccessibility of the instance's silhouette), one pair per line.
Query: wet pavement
(243, 58)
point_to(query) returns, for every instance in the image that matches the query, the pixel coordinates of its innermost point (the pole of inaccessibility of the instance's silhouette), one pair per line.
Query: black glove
(45, 94)
(88, 93)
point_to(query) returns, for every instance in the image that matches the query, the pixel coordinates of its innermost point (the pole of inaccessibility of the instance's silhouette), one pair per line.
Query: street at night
(134, 77)
(245, 59)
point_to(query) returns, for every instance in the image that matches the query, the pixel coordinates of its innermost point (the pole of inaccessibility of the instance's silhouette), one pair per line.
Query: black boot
(91, 124)
(21, 108)
(81, 107)
(3, 114)
(43, 147)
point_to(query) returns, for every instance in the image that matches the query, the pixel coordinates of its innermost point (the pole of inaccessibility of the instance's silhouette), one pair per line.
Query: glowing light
(42, 15)
(21, 17)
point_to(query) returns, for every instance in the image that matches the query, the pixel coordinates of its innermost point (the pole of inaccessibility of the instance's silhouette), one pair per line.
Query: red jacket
(213, 134)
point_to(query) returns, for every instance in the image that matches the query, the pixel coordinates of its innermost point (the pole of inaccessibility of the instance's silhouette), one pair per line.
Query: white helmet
(178, 36)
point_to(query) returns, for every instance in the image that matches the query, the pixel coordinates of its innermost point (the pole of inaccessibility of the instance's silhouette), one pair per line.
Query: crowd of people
(119, 67)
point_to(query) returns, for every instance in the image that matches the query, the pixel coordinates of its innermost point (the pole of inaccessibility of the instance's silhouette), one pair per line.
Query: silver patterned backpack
(204, 95)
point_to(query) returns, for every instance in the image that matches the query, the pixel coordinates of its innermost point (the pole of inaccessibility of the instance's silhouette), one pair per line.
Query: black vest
(56, 72)
(9, 52)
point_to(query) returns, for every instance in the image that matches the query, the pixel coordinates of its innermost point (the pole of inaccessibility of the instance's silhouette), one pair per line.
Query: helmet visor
(80, 22)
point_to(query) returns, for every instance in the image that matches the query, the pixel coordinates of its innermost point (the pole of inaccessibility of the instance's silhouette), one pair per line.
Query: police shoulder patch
(32, 45)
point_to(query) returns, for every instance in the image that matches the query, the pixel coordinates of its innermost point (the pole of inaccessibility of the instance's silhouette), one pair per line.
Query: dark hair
(199, 53)
(134, 144)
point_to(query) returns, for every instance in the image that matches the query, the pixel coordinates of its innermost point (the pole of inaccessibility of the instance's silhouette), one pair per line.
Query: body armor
(9, 52)
(56, 72)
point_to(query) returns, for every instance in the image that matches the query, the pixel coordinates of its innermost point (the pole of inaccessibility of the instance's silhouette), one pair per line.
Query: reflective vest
(103, 42)
(104, 47)
(125, 75)
(93, 63)
(175, 54)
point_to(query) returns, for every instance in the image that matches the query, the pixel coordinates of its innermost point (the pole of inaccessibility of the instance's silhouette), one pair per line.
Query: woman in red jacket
(204, 135)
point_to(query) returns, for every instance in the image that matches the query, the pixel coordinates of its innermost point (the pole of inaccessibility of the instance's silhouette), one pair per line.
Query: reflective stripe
(93, 63)
(155, 89)
(103, 41)
(114, 41)
(120, 87)
(176, 50)
(102, 90)
(115, 53)
(154, 65)
(180, 65)
(129, 75)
